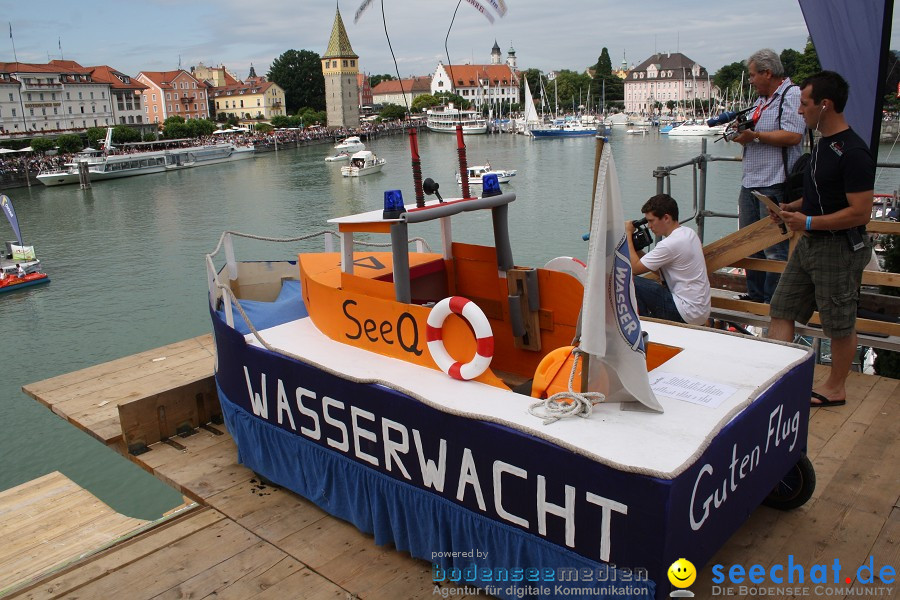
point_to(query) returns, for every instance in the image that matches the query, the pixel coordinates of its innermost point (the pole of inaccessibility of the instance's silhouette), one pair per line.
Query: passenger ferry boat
(444, 119)
(398, 390)
(114, 166)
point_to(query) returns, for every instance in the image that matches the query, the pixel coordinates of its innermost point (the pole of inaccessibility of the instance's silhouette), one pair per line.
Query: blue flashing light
(490, 185)
(393, 204)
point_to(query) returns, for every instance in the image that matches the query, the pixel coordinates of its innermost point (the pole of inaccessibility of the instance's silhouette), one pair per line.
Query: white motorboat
(350, 144)
(637, 131)
(363, 163)
(476, 172)
(695, 129)
(339, 157)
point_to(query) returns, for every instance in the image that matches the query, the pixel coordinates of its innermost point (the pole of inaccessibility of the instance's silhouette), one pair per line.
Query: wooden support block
(517, 285)
(177, 411)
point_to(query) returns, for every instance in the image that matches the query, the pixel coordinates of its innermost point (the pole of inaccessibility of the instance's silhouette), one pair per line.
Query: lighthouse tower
(340, 66)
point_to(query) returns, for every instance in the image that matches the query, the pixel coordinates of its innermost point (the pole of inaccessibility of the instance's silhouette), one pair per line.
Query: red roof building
(401, 91)
(171, 93)
(479, 84)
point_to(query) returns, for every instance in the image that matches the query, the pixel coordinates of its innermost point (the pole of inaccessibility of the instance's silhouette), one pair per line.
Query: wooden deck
(249, 540)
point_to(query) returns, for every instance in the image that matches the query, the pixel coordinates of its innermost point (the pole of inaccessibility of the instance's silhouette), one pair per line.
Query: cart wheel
(795, 488)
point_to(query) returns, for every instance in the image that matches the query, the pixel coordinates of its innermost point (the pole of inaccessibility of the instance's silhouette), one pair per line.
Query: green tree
(457, 100)
(790, 58)
(123, 134)
(392, 111)
(42, 144)
(891, 102)
(200, 127)
(149, 137)
(729, 77)
(69, 143)
(808, 64)
(603, 68)
(310, 116)
(299, 73)
(95, 135)
(376, 79)
(263, 127)
(174, 128)
(420, 103)
(280, 121)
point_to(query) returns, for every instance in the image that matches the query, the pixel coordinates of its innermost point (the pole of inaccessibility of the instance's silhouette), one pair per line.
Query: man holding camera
(684, 294)
(825, 270)
(770, 149)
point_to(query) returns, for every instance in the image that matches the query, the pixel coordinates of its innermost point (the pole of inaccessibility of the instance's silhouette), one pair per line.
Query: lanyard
(760, 108)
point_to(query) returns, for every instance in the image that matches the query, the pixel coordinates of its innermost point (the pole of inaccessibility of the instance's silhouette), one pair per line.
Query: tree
(790, 58)
(123, 134)
(891, 102)
(94, 135)
(299, 73)
(420, 103)
(376, 79)
(69, 143)
(392, 111)
(808, 63)
(457, 100)
(729, 77)
(42, 144)
(263, 127)
(308, 116)
(280, 121)
(149, 137)
(603, 68)
(200, 127)
(175, 128)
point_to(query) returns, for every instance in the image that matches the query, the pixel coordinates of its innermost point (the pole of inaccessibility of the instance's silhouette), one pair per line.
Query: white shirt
(679, 258)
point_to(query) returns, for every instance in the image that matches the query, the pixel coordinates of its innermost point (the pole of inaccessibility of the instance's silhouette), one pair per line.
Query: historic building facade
(173, 93)
(340, 66)
(480, 84)
(665, 77)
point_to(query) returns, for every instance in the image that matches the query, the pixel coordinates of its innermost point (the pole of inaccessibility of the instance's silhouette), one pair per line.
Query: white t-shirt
(679, 258)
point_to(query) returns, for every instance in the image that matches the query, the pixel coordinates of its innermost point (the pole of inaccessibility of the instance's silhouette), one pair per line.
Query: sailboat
(19, 267)
(530, 120)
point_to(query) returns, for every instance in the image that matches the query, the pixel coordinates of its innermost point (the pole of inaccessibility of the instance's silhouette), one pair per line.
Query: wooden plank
(50, 522)
(46, 387)
(742, 243)
(886, 550)
(78, 575)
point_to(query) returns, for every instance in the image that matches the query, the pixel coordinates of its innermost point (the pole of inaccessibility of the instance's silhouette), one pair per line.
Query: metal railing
(700, 164)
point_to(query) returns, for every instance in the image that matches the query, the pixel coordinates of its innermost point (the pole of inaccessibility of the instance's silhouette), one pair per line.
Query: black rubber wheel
(795, 488)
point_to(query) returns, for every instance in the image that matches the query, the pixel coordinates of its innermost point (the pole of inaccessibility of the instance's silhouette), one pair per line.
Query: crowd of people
(13, 165)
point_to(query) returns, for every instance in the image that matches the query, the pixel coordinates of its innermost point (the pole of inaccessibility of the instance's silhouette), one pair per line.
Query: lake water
(126, 260)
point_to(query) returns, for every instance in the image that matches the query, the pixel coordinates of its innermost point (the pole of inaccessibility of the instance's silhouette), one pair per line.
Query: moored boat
(444, 119)
(350, 144)
(115, 166)
(363, 163)
(358, 383)
(19, 267)
(566, 129)
(339, 157)
(475, 174)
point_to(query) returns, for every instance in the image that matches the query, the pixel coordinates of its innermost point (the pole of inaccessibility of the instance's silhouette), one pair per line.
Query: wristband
(809, 222)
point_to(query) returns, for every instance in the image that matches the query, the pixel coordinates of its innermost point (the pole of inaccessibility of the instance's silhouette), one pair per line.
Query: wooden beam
(742, 243)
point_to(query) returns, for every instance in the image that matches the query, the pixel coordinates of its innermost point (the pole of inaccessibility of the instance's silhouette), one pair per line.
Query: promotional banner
(10, 213)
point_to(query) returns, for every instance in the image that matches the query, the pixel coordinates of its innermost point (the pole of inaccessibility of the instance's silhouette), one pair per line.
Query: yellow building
(251, 100)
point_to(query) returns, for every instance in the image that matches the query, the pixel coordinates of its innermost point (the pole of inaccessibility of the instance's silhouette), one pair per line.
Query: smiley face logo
(682, 573)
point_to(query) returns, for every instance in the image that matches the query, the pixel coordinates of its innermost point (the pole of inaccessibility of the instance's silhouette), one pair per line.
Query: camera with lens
(737, 122)
(641, 236)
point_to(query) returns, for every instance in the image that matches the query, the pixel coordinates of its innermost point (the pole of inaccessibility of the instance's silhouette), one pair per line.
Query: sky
(153, 35)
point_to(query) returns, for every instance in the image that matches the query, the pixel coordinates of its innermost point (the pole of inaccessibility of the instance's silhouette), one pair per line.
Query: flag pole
(16, 58)
(586, 358)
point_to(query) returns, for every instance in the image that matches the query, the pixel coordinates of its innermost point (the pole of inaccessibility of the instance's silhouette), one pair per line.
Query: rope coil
(556, 407)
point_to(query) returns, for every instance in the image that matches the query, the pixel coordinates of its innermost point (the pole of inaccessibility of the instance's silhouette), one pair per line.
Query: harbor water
(126, 259)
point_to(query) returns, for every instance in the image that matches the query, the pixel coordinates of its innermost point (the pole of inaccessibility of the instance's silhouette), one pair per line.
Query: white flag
(611, 332)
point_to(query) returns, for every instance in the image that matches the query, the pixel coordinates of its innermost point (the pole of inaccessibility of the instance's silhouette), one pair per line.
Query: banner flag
(480, 8)
(362, 8)
(10, 213)
(611, 331)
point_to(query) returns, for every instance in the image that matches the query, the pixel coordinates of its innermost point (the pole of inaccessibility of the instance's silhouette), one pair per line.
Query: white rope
(556, 407)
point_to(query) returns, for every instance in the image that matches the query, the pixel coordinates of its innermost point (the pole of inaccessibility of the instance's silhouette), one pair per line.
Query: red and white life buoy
(484, 337)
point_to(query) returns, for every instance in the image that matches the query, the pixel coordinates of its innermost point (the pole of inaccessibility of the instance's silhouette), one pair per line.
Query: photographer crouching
(683, 295)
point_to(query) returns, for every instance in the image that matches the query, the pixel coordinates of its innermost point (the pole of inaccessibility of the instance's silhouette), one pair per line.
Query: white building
(481, 84)
(58, 97)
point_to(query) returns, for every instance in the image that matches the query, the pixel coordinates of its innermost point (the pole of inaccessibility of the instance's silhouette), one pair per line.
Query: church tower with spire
(340, 66)
(495, 54)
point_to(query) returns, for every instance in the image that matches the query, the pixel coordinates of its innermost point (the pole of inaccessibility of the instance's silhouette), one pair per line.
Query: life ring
(484, 337)
(568, 264)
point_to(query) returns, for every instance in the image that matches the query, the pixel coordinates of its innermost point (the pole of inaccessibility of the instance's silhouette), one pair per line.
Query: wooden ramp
(251, 538)
(49, 522)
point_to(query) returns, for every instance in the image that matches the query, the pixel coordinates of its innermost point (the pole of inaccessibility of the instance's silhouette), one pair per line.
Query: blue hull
(369, 454)
(552, 133)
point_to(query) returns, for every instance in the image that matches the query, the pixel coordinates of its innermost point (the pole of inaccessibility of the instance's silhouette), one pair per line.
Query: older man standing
(770, 150)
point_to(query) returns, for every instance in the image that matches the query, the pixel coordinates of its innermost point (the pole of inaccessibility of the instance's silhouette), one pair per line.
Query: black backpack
(793, 177)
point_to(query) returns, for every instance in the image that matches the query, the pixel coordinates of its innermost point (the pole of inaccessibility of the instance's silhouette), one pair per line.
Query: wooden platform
(49, 522)
(250, 540)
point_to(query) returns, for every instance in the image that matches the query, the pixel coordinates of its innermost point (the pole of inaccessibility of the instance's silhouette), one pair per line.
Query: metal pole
(701, 198)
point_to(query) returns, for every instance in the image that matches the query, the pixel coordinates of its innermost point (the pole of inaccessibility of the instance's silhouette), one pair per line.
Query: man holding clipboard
(825, 271)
